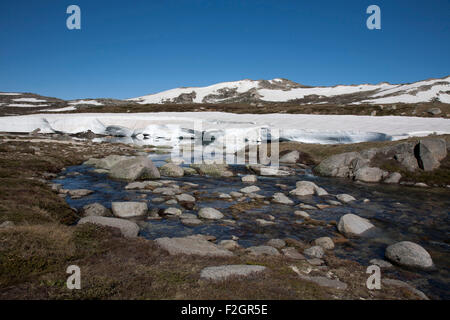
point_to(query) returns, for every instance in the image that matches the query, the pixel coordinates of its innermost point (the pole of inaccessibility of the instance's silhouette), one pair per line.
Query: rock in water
(353, 225)
(345, 197)
(263, 250)
(251, 178)
(325, 242)
(129, 209)
(431, 152)
(281, 199)
(171, 170)
(409, 254)
(210, 213)
(192, 245)
(250, 189)
(134, 168)
(224, 272)
(128, 229)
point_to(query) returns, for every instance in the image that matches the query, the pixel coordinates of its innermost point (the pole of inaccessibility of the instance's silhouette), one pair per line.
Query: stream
(399, 213)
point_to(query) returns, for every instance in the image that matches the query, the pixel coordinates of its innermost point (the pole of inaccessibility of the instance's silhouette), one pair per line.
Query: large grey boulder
(224, 272)
(409, 254)
(338, 165)
(171, 170)
(192, 245)
(370, 174)
(290, 157)
(431, 152)
(96, 209)
(129, 209)
(271, 170)
(345, 197)
(210, 213)
(128, 228)
(134, 168)
(352, 225)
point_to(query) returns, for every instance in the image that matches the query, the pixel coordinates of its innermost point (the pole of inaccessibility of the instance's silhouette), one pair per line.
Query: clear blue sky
(131, 48)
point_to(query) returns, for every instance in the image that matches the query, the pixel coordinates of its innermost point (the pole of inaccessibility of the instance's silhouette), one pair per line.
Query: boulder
(302, 214)
(251, 178)
(171, 170)
(134, 168)
(407, 160)
(96, 209)
(352, 225)
(106, 163)
(128, 228)
(370, 174)
(224, 272)
(276, 243)
(393, 178)
(229, 244)
(191, 222)
(250, 189)
(271, 170)
(431, 152)
(210, 213)
(324, 242)
(290, 157)
(192, 245)
(129, 209)
(292, 253)
(345, 197)
(79, 193)
(306, 188)
(173, 211)
(434, 111)
(143, 185)
(184, 197)
(338, 165)
(281, 199)
(314, 252)
(213, 169)
(263, 250)
(409, 254)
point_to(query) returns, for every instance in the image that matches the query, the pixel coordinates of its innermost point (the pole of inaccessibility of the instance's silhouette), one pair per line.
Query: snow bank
(168, 128)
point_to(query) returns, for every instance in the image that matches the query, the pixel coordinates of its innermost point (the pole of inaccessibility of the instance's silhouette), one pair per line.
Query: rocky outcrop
(365, 165)
(134, 169)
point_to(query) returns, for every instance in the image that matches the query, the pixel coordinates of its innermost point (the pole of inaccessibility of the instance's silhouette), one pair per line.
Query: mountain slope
(282, 90)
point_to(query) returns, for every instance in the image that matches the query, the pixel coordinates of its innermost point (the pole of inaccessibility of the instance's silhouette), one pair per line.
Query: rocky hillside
(283, 90)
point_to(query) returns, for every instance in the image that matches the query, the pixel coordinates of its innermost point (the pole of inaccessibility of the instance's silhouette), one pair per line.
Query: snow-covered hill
(282, 90)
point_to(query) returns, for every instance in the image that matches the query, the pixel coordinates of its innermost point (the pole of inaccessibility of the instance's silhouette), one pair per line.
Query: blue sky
(131, 48)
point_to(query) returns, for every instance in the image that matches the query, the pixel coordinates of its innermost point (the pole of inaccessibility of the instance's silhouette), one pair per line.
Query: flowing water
(399, 213)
